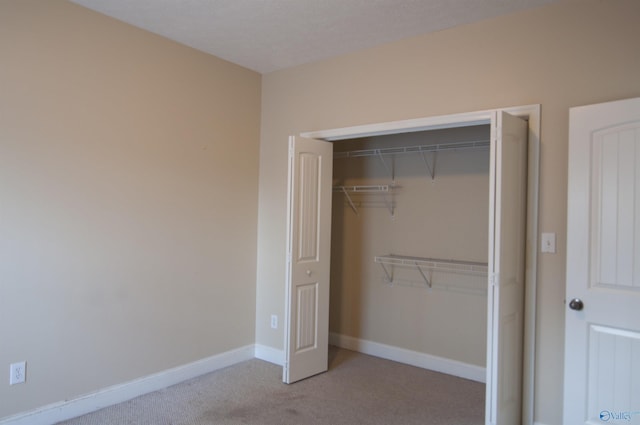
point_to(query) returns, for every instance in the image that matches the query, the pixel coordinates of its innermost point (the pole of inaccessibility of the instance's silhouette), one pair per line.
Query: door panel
(307, 318)
(308, 255)
(615, 200)
(507, 232)
(602, 340)
(614, 361)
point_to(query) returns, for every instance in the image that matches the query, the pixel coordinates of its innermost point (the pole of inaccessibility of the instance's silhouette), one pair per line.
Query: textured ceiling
(268, 35)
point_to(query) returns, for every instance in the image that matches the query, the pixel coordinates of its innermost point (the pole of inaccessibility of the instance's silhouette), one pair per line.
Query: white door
(507, 233)
(308, 256)
(602, 318)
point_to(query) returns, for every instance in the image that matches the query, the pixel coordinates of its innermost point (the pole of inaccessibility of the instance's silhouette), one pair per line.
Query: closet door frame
(531, 113)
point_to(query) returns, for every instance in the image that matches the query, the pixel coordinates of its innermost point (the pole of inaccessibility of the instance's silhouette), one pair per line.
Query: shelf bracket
(350, 201)
(426, 280)
(389, 205)
(387, 167)
(431, 168)
(389, 277)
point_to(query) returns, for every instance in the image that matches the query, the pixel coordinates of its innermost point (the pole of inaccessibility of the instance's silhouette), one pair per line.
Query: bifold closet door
(507, 233)
(308, 258)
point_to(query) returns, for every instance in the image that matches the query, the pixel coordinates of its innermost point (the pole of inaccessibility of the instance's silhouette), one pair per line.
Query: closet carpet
(357, 389)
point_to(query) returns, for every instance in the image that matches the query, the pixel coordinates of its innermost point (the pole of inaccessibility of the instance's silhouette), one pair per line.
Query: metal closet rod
(439, 147)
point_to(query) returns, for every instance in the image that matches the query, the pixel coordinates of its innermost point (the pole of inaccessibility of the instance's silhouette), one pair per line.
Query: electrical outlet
(274, 321)
(17, 373)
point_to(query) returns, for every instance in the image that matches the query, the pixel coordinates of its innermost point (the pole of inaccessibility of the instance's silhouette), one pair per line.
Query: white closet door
(602, 320)
(507, 232)
(308, 258)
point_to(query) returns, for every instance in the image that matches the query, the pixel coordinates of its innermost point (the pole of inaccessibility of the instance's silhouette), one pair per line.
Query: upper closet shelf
(432, 149)
(454, 146)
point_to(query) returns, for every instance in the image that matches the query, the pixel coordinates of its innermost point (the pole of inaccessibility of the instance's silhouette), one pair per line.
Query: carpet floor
(357, 389)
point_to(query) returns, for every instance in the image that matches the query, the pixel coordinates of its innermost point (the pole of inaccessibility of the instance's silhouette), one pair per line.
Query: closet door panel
(308, 258)
(507, 233)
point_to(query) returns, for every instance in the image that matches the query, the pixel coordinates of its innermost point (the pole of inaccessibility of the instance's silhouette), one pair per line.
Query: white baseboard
(269, 354)
(122, 392)
(414, 358)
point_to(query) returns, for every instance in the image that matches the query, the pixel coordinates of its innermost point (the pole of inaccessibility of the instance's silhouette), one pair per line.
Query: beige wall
(128, 188)
(563, 55)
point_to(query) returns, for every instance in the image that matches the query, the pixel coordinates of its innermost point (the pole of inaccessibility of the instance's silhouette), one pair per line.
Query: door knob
(576, 304)
(308, 272)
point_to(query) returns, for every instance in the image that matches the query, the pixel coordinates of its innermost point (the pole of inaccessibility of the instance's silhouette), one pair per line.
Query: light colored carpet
(357, 389)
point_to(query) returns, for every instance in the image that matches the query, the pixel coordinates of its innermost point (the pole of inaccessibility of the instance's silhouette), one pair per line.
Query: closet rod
(439, 147)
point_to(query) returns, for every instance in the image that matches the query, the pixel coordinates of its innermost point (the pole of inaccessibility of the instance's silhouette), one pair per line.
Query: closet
(409, 242)
(428, 254)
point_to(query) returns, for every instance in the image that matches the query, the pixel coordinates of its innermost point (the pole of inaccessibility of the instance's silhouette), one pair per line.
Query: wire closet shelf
(438, 147)
(429, 265)
(423, 150)
(383, 189)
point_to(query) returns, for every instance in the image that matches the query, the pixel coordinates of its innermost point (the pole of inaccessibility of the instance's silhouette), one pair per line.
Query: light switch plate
(548, 243)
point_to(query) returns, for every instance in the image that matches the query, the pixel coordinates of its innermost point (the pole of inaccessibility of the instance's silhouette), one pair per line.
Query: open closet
(409, 242)
(428, 254)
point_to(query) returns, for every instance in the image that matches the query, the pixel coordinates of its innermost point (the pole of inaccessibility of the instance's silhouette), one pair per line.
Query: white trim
(404, 126)
(119, 393)
(531, 263)
(269, 354)
(413, 358)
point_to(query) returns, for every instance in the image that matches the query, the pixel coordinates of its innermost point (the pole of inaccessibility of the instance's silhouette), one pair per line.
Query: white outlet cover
(17, 373)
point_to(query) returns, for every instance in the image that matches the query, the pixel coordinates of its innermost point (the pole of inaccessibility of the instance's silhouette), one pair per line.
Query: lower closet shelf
(430, 265)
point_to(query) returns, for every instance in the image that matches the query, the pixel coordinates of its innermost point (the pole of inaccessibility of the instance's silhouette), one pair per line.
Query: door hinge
(494, 279)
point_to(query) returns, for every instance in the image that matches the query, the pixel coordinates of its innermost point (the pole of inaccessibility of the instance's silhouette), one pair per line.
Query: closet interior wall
(444, 217)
